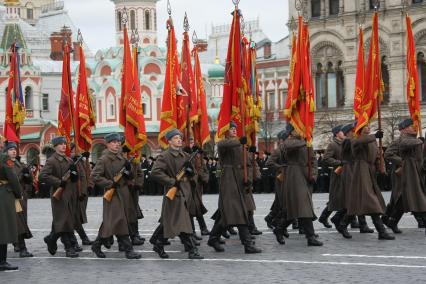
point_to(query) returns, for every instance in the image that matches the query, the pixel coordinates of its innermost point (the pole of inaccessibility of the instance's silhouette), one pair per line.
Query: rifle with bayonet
(110, 192)
(60, 190)
(181, 173)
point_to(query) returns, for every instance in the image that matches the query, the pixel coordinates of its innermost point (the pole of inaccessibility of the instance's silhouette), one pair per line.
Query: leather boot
(188, 241)
(268, 219)
(69, 245)
(127, 245)
(4, 265)
(324, 217)
(159, 249)
(393, 225)
(246, 240)
(342, 226)
(378, 223)
(354, 223)
(50, 241)
(313, 241)
(74, 242)
(420, 221)
(96, 248)
(23, 252)
(252, 226)
(84, 238)
(16, 247)
(279, 235)
(203, 226)
(214, 243)
(232, 231)
(295, 224)
(363, 227)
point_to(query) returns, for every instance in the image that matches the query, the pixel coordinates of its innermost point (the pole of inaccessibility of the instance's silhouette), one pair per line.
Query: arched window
(421, 70)
(340, 85)
(28, 97)
(334, 7)
(316, 8)
(385, 78)
(132, 20)
(155, 19)
(119, 19)
(147, 20)
(320, 84)
(146, 104)
(111, 106)
(329, 86)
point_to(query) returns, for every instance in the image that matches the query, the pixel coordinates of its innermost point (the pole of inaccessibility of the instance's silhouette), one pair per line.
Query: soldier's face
(12, 153)
(176, 141)
(114, 146)
(191, 143)
(61, 148)
(410, 130)
(340, 135)
(232, 132)
(366, 130)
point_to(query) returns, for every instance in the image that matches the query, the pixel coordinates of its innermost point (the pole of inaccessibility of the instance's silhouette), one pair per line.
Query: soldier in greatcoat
(26, 180)
(10, 191)
(232, 209)
(115, 219)
(365, 197)
(63, 208)
(298, 185)
(175, 218)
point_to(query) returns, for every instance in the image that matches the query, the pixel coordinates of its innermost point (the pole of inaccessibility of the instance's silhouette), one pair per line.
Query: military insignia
(9, 163)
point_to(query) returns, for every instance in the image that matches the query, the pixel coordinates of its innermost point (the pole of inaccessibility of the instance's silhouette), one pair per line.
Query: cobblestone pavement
(362, 259)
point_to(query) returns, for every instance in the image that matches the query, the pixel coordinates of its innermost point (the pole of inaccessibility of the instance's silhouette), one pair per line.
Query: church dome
(216, 71)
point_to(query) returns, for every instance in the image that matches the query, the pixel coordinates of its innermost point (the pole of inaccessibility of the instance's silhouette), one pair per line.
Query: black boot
(324, 217)
(354, 223)
(134, 234)
(127, 245)
(74, 242)
(50, 241)
(268, 219)
(363, 227)
(96, 248)
(314, 242)
(378, 223)
(16, 247)
(279, 235)
(252, 226)
(69, 245)
(159, 249)
(393, 225)
(246, 240)
(214, 239)
(4, 265)
(84, 238)
(420, 222)
(203, 226)
(188, 242)
(295, 224)
(232, 231)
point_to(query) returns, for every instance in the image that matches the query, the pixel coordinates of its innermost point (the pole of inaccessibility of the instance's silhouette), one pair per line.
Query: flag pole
(189, 98)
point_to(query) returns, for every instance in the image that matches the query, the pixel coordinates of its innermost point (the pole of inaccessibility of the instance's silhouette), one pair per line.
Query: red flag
(168, 117)
(85, 118)
(126, 77)
(300, 105)
(15, 108)
(201, 125)
(360, 77)
(413, 98)
(66, 104)
(374, 85)
(233, 83)
(186, 105)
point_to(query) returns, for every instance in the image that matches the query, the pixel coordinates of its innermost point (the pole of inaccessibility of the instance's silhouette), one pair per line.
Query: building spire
(216, 60)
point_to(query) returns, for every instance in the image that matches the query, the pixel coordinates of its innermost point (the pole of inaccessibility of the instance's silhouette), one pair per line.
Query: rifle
(110, 192)
(60, 190)
(172, 191)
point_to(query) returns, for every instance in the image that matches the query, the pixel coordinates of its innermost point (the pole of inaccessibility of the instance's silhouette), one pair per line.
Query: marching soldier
(10, 191)
(175, 219)
(232, 209)
(365, 197)
(63, 204)
(298, 185)
(26, 180)
(277, 163)
(113, 173)
(410, 194)
(253, 175)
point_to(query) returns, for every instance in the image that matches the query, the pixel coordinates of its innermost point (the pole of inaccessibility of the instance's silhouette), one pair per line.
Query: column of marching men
(354, 192)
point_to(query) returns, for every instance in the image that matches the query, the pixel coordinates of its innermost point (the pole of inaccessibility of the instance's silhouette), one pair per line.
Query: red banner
(168, 117)
(413, 97)
(360, 77)
(66, 104)
(85, 118)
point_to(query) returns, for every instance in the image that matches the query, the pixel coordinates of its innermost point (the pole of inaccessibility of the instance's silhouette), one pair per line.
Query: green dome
(216, 71)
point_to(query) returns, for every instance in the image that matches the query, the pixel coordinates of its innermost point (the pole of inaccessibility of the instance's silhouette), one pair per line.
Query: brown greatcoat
(413, 189)
(197, 191)
(298, 194)
(232, 207)
(252, 175)
(135, 187)
(115, 212)
(174, 213)
(365, 197)
(10, 189)
(63, 210)
(277, 162)
(347, 169)
(26, 184)
(333, 158)
(393, 156)
(86, 181)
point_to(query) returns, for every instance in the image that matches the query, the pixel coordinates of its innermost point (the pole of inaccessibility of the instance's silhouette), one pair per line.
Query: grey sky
(95, 18)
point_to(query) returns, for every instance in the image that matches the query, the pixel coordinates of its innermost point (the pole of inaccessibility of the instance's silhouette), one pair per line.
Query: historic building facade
(333, 26)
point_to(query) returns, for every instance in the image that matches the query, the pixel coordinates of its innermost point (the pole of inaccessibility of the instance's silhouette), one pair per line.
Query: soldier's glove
(73, 173)
(379, 134)
(187, 149)
(63, 184)
(243, 140)
(128, 165)
(25, 171)
(196, 148)
(75, 158)
(252, 149)
(86, 155)
(422, 139)
(125, 149)
(128, 174)
(189, 170)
